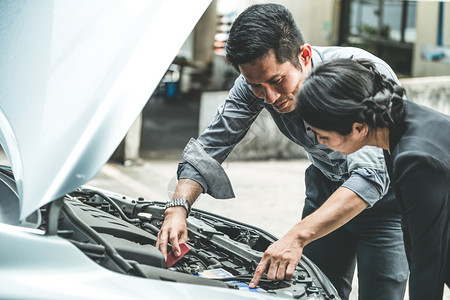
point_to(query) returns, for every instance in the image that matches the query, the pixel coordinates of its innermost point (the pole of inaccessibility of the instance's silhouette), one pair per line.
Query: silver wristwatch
(179, 202)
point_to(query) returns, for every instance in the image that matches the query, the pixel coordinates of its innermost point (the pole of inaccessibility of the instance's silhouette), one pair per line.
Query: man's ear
(305, 54)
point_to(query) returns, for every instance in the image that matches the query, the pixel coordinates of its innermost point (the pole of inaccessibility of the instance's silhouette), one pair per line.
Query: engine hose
(214, 263)
(202, 256)
(151, 228)
(210, 262)
(119, 210)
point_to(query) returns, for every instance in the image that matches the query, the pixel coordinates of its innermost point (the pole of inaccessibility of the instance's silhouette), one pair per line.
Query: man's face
(278, 84)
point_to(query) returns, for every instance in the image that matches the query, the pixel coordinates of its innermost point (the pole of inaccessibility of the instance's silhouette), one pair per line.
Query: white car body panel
(95, 61)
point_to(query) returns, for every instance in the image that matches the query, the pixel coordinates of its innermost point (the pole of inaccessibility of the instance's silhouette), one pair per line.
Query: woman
(349, 105)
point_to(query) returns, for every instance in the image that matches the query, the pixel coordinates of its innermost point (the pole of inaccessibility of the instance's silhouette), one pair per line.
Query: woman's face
(345, 144)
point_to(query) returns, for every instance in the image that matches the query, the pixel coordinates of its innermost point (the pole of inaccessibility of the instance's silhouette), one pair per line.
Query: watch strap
(179, 202)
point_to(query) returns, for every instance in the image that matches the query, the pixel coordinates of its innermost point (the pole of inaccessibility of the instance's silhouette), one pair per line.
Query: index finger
(260, 269)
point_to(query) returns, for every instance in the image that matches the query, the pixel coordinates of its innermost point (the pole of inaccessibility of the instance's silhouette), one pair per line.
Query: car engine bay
(120, 233)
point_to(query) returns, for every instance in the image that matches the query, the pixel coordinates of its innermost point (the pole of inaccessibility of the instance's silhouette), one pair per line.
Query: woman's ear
(361, 129)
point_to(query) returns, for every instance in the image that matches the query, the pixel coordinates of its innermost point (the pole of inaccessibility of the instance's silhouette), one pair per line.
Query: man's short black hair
(261, 28)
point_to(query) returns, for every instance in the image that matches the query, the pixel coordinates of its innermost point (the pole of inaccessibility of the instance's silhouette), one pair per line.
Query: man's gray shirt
(363, 172)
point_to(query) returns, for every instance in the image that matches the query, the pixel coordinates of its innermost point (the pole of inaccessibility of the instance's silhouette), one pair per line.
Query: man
(348, 197)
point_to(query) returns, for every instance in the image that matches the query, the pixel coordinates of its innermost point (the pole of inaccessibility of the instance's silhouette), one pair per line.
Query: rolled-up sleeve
(211, 172)
(369, 178)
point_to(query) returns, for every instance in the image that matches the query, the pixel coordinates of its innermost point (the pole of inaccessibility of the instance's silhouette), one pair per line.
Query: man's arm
(174, 229)
(200, 170)
(281, 258)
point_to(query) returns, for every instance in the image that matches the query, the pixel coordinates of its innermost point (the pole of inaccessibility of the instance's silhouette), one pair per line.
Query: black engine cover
(131, 242)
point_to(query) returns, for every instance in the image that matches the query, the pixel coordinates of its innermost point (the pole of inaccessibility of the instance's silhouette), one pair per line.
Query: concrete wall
(427, 32)
(317, 20)
(433, 92)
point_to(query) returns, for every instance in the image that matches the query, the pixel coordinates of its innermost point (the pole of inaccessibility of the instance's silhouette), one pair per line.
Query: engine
(120, 233)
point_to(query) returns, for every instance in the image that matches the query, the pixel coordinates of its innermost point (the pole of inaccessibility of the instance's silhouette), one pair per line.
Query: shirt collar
(315, 58)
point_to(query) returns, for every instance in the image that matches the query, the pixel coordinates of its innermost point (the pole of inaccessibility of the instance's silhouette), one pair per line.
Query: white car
(74, 76)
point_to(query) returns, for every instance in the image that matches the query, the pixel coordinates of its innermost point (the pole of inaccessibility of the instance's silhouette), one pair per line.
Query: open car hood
(75, 75)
